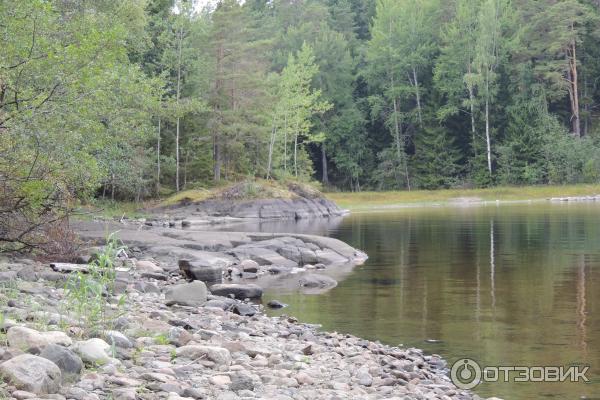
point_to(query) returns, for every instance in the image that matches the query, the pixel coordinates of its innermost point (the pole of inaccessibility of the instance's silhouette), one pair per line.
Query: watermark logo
(467, 373)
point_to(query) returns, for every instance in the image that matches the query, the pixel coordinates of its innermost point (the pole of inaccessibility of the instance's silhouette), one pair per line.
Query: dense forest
(131, 99)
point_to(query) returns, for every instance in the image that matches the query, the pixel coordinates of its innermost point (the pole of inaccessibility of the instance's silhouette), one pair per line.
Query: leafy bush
(87, 293)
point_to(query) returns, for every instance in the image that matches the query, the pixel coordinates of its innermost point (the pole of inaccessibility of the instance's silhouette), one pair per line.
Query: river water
(505, 285)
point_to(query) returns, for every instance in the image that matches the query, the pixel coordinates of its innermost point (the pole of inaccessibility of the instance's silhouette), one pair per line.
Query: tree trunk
(217, 159)
(296, 152)
(418, 93)
(573, 90)
(285, 143)
(397, 137)
(219, 122)
(271, 145)
(472, 106)
(488, 141)
(158, 159)
(177, 102)
(185, 168)
(325, 179)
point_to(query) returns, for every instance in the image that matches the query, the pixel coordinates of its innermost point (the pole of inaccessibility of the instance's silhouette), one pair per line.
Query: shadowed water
(504, 285)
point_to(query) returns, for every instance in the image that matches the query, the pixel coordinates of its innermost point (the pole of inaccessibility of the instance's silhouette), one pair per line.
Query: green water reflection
(504, 285)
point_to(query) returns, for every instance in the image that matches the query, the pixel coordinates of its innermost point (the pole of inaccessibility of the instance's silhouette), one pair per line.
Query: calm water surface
(504, 285)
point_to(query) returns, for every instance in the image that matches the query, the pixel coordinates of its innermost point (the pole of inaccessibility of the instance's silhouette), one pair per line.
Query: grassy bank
(373, 200)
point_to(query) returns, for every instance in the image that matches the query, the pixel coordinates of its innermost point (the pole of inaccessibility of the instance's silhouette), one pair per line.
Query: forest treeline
(129, 99)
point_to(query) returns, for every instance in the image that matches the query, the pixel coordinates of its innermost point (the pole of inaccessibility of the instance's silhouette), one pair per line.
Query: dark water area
(503, 284)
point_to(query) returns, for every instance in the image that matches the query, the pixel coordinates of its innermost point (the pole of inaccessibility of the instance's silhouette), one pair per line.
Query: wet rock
(275, 304)
(68, 362)
(239, 291)
(188, 294)
(28, 339)
(32, 373)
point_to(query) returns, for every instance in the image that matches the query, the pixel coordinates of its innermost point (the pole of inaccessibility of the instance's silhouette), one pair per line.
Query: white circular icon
(465, 373)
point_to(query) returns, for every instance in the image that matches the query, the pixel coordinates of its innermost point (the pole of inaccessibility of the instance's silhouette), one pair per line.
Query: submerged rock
(316, 281)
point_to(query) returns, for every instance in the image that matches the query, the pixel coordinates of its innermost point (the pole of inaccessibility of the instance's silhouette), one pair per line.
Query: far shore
(376, 201)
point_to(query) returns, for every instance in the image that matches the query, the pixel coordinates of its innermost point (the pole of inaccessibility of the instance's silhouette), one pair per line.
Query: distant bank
(365, 201)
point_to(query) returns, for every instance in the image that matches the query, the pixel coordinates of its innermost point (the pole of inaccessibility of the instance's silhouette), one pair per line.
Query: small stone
(93, 351)
(308, 350)
(241, 381)
(124, 394)
(117, 339)
(218, 355)
(146, 287)
(304, 379)
(179, 336)
(194, 393)
(220, 380)
(32, 373)
(364, 378)
(147, 266)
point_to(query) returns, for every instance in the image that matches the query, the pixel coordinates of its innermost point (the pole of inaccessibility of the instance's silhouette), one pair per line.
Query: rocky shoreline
(177, 339)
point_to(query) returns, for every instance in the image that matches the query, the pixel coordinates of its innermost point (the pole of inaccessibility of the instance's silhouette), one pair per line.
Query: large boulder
(28, 339)
(191, 294)
(239, 291)
(201, 271)
(32, 373)
(68, 362)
